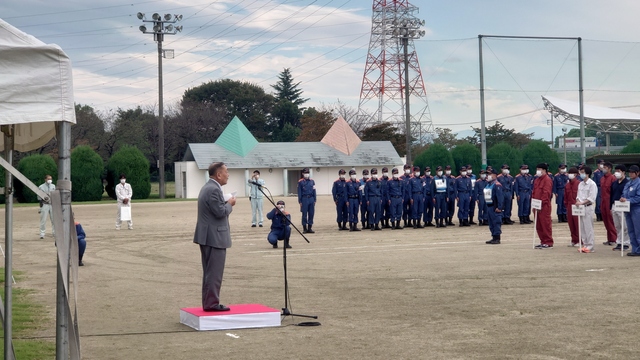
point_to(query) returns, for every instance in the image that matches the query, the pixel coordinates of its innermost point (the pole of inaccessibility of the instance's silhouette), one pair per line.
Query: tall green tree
(227, 98)
(436, 155)
(88, 130)
(446, 138)
(87, 168)
(537, 152)
(504, 153)
(466, 154)
(287, 109)
(315, 125)
(497, 133)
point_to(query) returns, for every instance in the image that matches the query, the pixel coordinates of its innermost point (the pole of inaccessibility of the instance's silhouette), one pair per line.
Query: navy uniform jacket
(415, 185)
(597, 175)
(451, 185)
(306, 188)
(384, 181)
(507, 183)
(497, 194)
(277, 221)
(373, 188)
(339, 191)
(427, 181)
(407, 187)
(521, 183)
(395, 188)
(559, 182)
(463, 185)
(353, 189)
(478, 189)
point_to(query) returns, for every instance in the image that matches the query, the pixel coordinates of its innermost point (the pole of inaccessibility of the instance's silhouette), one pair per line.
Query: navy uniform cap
(385, 169)
(352, 172)
(305, 170)
(342, 172)
(374, 171)
(416, 168)
(394, 171)
(365, 172)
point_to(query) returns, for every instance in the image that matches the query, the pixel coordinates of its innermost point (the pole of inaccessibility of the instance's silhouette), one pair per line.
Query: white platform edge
(228, 322)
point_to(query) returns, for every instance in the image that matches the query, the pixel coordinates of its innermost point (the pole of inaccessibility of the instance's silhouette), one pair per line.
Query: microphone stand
(285, 309)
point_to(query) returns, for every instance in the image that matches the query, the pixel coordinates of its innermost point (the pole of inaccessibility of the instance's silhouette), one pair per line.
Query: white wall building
(281, 164)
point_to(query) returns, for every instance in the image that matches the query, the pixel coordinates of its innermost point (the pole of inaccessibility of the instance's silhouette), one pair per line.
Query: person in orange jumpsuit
(570, 194)
(542, 190)
(605, 200)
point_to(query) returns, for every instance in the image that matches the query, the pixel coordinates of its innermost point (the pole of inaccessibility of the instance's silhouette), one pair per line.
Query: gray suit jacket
(212, 228)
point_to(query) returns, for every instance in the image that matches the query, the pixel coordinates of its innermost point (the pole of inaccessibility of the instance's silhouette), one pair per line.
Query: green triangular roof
(237, 138)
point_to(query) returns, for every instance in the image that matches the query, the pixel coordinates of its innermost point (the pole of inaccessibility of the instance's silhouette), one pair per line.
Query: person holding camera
(123, 194)
(280, 227)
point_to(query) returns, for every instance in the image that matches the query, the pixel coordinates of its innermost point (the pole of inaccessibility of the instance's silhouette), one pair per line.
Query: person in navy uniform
(506, 181)
(364, 208)
(307, 200)
(406, 206)
(385, 199)
(373, 195)
(494, 203)
(417, 198)
(440, 191)
(559, 182)
(463, 196)
(597, 175)
(451, 185)
(522, 186)
(395, 191)
(353, 195)
(280, 227)
(427, 181)
(478, 196)
(472, 204)
(339, 192)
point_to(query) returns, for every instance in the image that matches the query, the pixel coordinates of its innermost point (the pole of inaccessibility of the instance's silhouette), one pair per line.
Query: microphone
(255, 183)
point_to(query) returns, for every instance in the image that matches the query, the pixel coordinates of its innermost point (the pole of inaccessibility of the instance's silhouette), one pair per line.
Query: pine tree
(287, 90)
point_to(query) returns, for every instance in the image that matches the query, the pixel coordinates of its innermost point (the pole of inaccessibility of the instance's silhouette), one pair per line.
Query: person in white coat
(587, 194)
(45, 207)
(123, 194)
(255, 196)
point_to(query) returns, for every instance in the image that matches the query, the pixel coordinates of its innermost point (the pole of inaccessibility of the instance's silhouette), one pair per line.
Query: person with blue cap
(506, 180)
(339, 192)
(354, 197)
(559, 182)
(522, 187)
(494, 205)
(280, 225)
(307, 200)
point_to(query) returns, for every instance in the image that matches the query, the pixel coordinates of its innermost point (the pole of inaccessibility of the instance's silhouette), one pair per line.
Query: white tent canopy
(36, 88)
(606, 119)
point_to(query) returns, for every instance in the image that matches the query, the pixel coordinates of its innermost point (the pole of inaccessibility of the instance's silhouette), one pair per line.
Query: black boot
(414, 223)
(304, 229)
(443, 222)
(405, 223)
(438, 223)
(529, 220)
(339, 225)
(429, 224)
(398, 225)
(420, 226)
(355, 226)
(471, 221)
(377, 227)
(286, 244)
(310, 231)
(466, 222)
(460, 223)
(344, 225)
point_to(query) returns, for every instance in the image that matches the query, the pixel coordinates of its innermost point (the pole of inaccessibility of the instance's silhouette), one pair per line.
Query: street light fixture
(159, 31)
(405, 29)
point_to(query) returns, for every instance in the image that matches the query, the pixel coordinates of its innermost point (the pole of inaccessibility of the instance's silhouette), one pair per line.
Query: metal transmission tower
(392, 71)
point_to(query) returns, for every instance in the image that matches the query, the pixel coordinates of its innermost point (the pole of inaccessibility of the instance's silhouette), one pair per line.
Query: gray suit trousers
(212, 270)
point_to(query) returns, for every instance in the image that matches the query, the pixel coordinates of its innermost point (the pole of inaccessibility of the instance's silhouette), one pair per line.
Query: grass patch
(27, 318)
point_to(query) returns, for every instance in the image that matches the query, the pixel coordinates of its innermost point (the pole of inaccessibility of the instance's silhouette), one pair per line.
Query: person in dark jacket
(280, 227)
(494, 200)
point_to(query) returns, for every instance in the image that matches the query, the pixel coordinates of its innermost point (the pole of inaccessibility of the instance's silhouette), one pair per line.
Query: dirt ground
(409, 294)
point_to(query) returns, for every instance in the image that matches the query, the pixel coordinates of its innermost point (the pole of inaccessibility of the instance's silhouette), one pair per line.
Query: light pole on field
(162, 25)
(564, 143)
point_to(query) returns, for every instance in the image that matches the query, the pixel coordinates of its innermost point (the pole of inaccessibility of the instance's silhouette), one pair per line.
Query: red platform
(240, 316)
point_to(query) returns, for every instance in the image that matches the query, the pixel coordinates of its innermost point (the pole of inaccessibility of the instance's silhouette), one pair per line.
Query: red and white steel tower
(385, 83)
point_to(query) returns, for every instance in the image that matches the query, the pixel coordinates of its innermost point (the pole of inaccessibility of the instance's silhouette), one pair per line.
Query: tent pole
(583, 150)
(8, 245)
(483, 136)
(64, 173)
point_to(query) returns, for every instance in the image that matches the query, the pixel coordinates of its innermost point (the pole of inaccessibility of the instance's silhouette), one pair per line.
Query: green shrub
(536, 152)
(504, 153)
(467, 154)
(134, 165)
(86, 174)
(34, 168)
(436, 155)
(632, 147)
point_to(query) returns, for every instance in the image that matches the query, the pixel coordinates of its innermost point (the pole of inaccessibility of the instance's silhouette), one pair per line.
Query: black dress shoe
(218, 307)
(275, 246)
(80, 263)
(633, 254)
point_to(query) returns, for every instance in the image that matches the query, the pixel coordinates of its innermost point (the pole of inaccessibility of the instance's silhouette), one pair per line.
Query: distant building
(280, 164)
(575, 142)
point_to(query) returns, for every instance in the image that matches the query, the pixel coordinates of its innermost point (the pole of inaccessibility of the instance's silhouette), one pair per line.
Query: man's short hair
(608, 164)
(122, 176)
(621, 167)
(256, 172)
(213, 168)
(46, 176)
(587, 170)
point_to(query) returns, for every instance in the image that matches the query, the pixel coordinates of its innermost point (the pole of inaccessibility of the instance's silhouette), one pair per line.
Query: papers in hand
(227, 197)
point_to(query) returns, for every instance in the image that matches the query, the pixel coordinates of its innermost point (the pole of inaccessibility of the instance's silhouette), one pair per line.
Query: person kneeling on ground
(82, 243)
(280, 227)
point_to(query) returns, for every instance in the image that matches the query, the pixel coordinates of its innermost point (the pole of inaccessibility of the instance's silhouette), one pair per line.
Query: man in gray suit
(213, 234)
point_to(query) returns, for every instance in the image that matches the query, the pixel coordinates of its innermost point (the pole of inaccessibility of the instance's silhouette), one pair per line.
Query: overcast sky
(325, 44)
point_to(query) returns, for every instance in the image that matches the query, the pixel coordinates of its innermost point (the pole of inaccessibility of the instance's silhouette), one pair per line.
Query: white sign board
(125, 213)
(622, 206)
(536, 204)
(577, 210)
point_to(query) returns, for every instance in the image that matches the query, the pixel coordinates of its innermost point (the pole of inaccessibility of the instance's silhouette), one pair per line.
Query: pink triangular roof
(341, 137)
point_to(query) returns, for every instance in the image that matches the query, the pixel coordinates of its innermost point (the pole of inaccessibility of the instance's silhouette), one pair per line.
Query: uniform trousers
(354, 205)
(524, 203)
(623, 236)
(396, 208)
(607, 219)
(633, 224)
(495, 220)
(586, 228)
(440, 209)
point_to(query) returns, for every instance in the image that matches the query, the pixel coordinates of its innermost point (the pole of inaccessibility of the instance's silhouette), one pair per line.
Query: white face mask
(448, 172)
(49, 181)
(538, 172)
(572, 176)
(601, 166)
(439, 173)
(374, 176)
(385, 174)
(281, 207)
(122, 181)
(489, 177)
(618, 175)
(353, 177)
(526, 171)
(395, 176)
(306, 176)
(505, 171)
(583, 176)
(365, 176)
(407, 171)
(483, 176)
(463, 173)
(428, 173)
(523, 172)
(341, 177)
(416, 174)
(562, 171)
